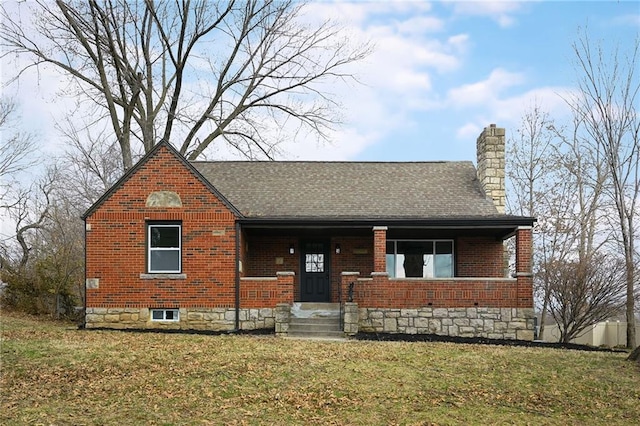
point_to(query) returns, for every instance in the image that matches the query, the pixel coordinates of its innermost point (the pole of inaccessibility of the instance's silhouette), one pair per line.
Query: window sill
(163, 276)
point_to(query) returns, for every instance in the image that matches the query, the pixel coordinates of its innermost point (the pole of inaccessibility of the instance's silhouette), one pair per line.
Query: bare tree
(557, 178)
(28, 208)
(17, 147)
(90, 166)
(609, 91)
(192, 72)
(584, 293)
(529, 169)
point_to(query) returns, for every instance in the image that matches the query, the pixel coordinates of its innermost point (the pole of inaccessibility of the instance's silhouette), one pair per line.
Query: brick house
(404, 247)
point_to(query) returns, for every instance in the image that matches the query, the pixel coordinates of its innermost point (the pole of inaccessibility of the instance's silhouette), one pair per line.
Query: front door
(315, 277)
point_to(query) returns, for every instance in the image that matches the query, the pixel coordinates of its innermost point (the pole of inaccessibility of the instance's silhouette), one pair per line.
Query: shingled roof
(358, 190)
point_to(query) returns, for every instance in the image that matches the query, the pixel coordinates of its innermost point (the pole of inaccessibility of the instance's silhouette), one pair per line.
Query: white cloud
(500, 11)
(469, 131)
(359, 13)
(459, 42)
(482, 92)
(411, 46)
(420, 25)
(344, 145)
(508, 111)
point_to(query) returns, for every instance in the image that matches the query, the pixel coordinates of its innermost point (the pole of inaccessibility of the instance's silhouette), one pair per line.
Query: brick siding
(116, 254)
(403, 293)
(479, 257)
(116, 242)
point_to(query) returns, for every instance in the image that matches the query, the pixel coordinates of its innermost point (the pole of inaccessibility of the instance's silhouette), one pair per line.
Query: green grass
(54, 374)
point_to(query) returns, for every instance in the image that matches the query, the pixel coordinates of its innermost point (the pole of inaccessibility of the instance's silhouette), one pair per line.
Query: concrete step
(319, 335)
(315, 310)
(315, 321)
(313, 327)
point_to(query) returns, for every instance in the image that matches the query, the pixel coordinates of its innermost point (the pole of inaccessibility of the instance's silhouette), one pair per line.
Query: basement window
(165, 315)
(420, 258)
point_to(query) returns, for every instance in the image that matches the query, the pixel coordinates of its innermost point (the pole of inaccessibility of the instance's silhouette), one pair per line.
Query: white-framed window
(164, 251)
(420, 258)
(165, 315)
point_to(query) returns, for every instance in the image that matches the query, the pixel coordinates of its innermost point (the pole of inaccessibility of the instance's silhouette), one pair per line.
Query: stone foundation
(214, 319)
(493, 323)
(350, 319)
(283, 316)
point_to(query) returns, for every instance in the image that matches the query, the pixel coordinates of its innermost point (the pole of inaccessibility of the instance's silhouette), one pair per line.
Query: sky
(439, 73)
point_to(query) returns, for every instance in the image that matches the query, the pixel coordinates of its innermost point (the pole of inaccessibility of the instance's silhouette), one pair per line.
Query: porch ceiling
(500, 227)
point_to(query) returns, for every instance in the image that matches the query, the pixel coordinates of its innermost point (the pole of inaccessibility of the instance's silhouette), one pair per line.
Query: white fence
(608, 333)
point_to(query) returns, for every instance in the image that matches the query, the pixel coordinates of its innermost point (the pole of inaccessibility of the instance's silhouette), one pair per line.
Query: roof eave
(450, 222)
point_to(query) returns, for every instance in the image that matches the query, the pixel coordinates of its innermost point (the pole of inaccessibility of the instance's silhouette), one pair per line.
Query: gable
(162, 179)
(357, 190)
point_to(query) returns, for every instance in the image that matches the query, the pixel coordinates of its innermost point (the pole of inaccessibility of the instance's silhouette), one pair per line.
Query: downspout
(238, 235)
(84, 296)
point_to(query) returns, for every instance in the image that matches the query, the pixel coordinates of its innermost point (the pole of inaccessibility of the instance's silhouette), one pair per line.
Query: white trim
(173, 249)
(175, 314)
(434, 241)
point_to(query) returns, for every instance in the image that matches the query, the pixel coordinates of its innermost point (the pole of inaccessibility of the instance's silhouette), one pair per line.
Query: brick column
(286, 282)
(524, 250)
(380, 249)
(524, 266)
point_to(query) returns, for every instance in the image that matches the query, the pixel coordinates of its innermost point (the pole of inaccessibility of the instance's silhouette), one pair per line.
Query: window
(165, 315)
(314, 257)
(420, 258)
(314, 263)
(164, 251)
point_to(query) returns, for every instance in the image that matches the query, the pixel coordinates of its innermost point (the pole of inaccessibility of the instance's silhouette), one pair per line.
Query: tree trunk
(634, 355)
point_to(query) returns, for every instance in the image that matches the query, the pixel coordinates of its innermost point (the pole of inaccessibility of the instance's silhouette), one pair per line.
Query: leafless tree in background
(555, 177)
(607, 104)
(191, 72)
(17, 147)
(91, 164)
(529, 169)
(585, 292)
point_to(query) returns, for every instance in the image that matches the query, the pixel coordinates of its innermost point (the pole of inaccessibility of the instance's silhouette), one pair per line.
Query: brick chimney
(490, 151)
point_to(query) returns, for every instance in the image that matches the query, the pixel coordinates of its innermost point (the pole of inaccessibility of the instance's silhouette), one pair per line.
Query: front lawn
(54, 374)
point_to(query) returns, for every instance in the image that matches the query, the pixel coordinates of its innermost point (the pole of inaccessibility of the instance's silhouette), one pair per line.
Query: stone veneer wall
(493, 323)
(490, 148)
(214, 319)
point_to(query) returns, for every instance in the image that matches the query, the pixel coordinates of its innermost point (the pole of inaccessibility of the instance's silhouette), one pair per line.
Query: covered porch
(370, 270)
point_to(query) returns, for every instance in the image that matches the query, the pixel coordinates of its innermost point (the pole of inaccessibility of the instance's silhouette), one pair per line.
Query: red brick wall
(116, 243)
(380, 249)
(256, 293)
(116, 256)
(479, 257)
(263, 251)
(524, 254)
(381, 292)
(350, 259)
(524, 265)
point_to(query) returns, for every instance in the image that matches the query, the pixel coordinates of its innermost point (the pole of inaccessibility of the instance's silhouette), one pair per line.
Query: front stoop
(315, 321)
